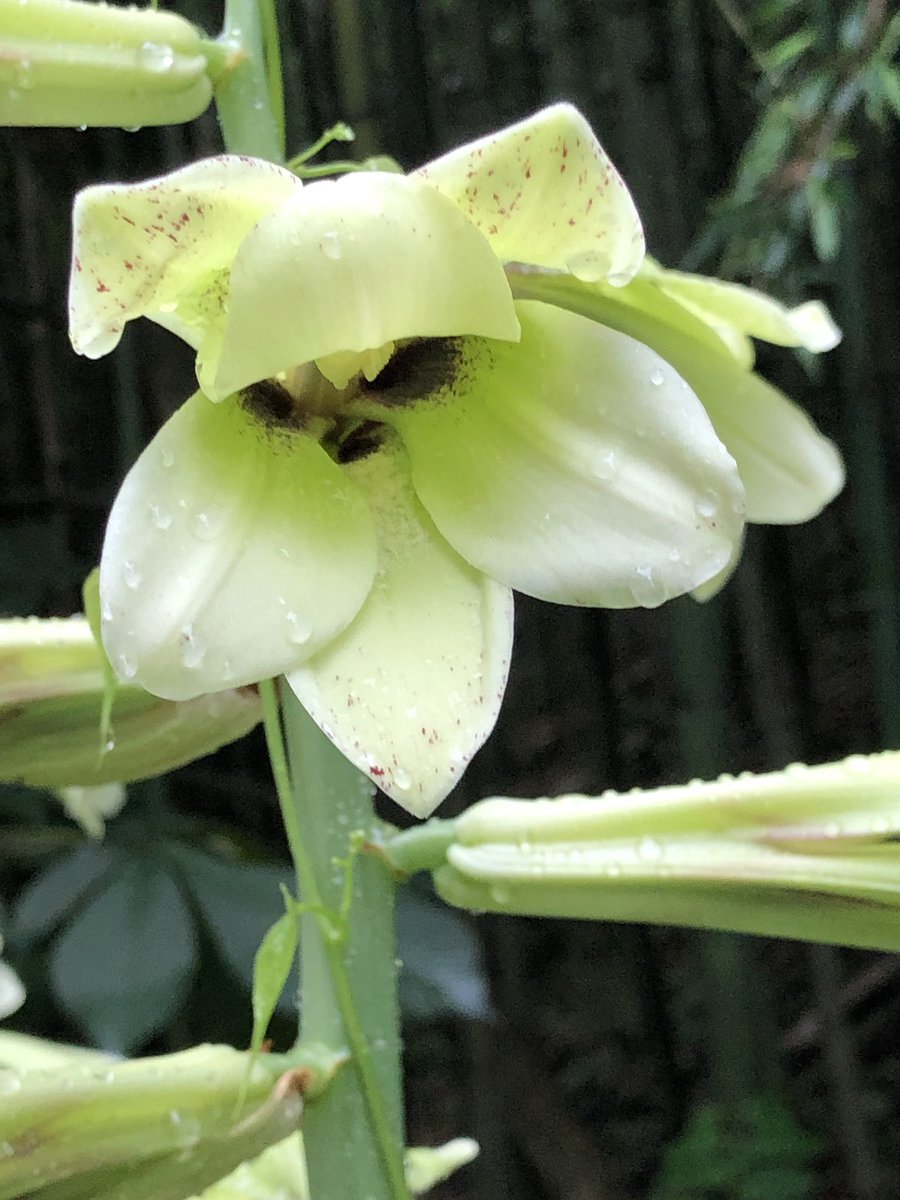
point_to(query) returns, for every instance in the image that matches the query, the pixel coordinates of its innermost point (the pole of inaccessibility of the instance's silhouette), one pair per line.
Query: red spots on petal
(562, 168)
(129, 266)
(565, 150)
(379, 771)
(200, 209)
(184, 218)
(127, 220)
(77, 264)
(101, 286)
(571, 220)
(492, 229)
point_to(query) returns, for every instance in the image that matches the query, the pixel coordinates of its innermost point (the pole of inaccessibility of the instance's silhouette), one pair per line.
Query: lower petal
(576, 466)
(413, 687)
(234, 550)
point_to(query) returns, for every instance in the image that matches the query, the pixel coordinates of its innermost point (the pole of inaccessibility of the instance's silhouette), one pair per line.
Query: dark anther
(271, 403)
(364, 440)
(416, 371)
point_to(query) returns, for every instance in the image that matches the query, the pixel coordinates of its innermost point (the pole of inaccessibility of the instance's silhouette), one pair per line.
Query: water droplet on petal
(299, 628)
(192, 652)
(166, 458)
(208, 523)
(656, 377)
(650, 850)
(331, 245)
(161, 516)
(106, 612)
(126, 667)
(402, 780)
(707, 506)
(500, 895)
(131, 576)
(155, 56)
(606, 466)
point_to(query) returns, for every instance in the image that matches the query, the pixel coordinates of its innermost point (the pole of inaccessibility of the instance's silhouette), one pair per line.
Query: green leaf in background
(123, 968)
(65, 884)
(441, 954)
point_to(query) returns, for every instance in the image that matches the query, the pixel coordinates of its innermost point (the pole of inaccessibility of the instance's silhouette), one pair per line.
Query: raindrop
(656, 377)
(187, 1129)
(166, 457)
(208, 523)
(127, 669)
(606, 466)
(331, 245)
(500, 895)
(402, 781)
(155, 56)
(618, 278)
(106, 612)
(131, 576)
(110, 744)
(707, 506)
(649, 849)
(299, 629)
(162, 518)
(192, 652)
(646, 591)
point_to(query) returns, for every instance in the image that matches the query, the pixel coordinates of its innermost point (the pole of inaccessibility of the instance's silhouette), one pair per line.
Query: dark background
(592, 1062)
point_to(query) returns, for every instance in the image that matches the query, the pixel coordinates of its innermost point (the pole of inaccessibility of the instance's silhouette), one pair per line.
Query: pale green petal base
(412, 689)
(543, 191)
(141, 247)
(576, 467)
(234, 551)
(349, 266)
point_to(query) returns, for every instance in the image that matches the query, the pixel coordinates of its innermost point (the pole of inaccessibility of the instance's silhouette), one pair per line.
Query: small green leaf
(271, 969)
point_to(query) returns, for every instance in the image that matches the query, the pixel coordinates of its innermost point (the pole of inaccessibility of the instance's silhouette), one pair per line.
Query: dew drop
(707, 506)
(649, 849)
(402, 780)
(331, 245)
(299, 628)
(500, 895)
(131, 576)
(606, 466)
(106, 612)
(155, 56)
(192, 652)
(167, 458)
(127, 669)
(161, 516)
(618, 278)
(168, 307)
(208, 523)
(656, 377)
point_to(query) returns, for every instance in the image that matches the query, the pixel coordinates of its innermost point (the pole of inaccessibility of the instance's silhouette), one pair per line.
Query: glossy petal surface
(349, 266)
(544, 192)
(576, 467)
(413, 687)
(234, 551)
(141, 248)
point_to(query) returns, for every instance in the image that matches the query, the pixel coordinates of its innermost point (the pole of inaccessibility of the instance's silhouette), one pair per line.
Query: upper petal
(544, 192)
(576, 466)
(234, 550)
(141, 247)
(413, 687)
(348, 266)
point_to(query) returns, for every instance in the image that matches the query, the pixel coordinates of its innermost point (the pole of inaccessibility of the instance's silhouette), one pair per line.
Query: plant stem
(353, 1135)
(243, 92)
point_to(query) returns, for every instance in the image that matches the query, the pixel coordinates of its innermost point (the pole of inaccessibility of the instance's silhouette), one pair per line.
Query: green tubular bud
(69, 62)
(808, 852)
(149, 1128)
(52, 688)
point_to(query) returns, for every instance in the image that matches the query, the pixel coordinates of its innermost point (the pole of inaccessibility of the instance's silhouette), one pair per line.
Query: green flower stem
(244, 90)
(348, 987)
(421, 848)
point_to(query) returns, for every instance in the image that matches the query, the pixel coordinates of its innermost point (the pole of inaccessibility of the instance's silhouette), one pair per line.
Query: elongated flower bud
(68, 62)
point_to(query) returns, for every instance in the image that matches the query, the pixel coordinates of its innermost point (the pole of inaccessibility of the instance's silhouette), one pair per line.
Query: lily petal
(790, 471)
(140, 248)
(234, 550)
(750, 312)
(413, 687)
(544, 192)
(576, 466)
(349, 266)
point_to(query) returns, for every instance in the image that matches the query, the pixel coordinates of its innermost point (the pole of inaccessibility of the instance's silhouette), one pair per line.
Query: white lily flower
(386, 442)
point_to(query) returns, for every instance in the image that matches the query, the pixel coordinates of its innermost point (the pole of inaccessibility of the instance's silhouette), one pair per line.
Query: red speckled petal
(149, 248)
(544, 192)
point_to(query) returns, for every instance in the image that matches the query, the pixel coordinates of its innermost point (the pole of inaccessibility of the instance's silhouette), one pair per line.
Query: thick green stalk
(243, 91)
(348, 987)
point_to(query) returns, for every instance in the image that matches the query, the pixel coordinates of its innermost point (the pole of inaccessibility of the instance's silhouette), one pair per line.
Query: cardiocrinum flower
(385, 441)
